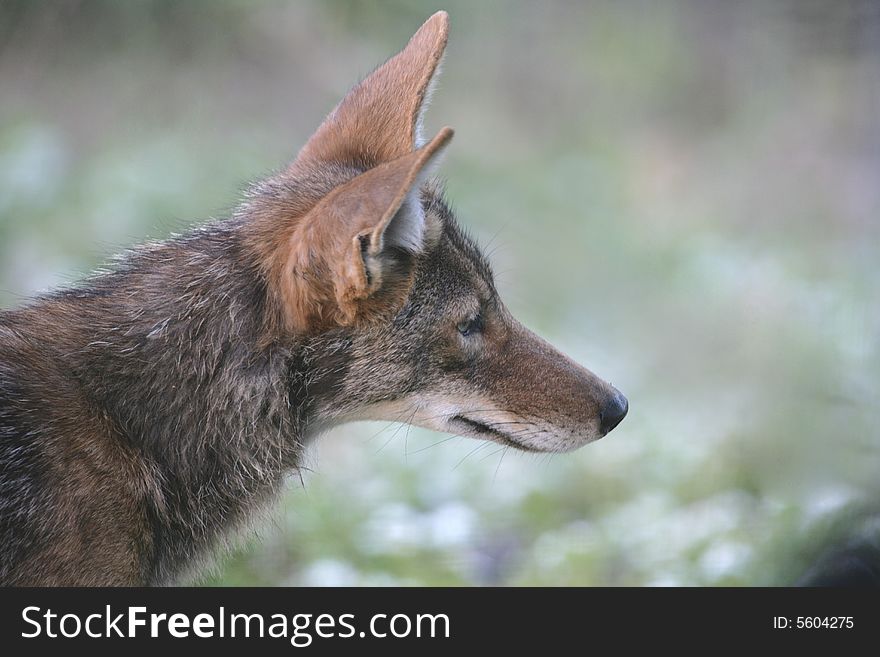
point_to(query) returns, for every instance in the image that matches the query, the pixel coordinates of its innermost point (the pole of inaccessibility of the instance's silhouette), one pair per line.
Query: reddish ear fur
(321, 253)
(324, 280)
(378, 120)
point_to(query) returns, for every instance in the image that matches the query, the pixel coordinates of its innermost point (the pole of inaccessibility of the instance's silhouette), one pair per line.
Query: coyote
(148, 411)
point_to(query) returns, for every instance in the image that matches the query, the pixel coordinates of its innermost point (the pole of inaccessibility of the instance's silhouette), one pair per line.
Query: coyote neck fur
(171, 348)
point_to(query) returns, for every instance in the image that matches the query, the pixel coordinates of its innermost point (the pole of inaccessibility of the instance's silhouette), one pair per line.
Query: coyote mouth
(475, 427)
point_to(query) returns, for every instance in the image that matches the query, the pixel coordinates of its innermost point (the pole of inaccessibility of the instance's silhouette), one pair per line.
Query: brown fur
(329, 286)
(150, 411)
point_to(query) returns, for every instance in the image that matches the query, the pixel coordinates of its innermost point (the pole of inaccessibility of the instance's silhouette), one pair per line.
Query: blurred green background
(684, 196)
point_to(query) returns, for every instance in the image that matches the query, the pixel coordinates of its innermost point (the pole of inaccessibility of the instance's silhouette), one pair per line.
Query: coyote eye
(471, 326)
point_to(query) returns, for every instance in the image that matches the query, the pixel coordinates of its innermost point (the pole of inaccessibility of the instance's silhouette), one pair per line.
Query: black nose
(613, 412)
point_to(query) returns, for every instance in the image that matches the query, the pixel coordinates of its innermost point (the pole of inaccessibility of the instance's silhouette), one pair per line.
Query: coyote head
(363, 259)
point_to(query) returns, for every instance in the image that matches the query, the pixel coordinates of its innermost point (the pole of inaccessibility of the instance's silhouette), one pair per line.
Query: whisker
(471, 453)
(393, 436)
(439, 442)
(493, 453)
(380, 431)
(498, 467)
(406, 436)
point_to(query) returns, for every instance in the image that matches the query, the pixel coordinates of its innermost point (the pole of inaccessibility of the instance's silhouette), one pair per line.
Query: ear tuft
(403, 224)
(406, 230)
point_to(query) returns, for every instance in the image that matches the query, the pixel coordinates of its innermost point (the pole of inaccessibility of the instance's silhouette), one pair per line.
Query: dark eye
(471, 326)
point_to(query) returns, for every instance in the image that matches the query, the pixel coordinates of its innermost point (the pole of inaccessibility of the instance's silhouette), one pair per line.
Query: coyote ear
(385, 221)
(379, 120)
(352, 254)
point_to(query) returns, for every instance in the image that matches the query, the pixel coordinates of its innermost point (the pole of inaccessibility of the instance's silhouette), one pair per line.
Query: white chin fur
(442, 414)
